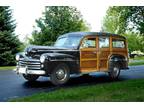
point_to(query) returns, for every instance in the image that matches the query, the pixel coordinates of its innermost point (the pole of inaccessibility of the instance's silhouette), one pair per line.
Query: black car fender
(53, 59)
(118, 59)
(58, 57)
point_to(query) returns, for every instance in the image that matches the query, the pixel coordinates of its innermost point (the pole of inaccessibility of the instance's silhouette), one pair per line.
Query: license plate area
(22, 69)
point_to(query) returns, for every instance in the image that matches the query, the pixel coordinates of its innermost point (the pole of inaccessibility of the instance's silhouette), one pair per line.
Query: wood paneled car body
(75, 53)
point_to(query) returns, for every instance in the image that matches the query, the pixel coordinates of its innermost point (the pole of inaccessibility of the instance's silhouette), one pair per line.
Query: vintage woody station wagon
(75, 53)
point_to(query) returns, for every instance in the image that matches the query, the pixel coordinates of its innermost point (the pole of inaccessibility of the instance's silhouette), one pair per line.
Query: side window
(103, 42)
(118, 44)
(89, 43)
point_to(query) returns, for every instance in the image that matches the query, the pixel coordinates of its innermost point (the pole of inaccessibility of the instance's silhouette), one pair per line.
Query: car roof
(82, 34)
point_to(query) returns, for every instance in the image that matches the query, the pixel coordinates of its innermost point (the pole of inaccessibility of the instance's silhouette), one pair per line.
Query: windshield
(68, 41)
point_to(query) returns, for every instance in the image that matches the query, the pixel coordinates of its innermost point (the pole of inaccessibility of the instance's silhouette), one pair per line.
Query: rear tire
(114, 71)
(30, 77)
(60, 75)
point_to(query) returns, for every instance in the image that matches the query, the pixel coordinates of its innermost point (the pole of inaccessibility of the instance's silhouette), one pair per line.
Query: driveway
(13, 85)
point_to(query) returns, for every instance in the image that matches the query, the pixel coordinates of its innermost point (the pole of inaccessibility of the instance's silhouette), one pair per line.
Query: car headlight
(17, 57)
(42, 59)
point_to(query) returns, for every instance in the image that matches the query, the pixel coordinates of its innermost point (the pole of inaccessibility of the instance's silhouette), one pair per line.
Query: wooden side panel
(104, 54)
(97, 59)
(88, 54)
(88, 58)
(120, 51)
(89, 64)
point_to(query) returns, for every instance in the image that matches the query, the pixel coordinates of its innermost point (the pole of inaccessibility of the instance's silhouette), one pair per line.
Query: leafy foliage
(128, 21)
(9, 43)
(137, 18)
(57, 20)
(120, 19)
(115, 20)
(135, 42)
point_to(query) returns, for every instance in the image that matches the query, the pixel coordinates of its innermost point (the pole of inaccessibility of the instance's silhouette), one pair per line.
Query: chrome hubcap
(116, 71)
(60, 74)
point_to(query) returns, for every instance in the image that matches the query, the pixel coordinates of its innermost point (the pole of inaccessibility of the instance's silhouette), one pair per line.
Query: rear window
(103, 42)
(118, 44)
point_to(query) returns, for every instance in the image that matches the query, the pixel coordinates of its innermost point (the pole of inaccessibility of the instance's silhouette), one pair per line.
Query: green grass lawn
(7, 67)
(139, 58)
(136, 63)
(139, 61)
(131, 90)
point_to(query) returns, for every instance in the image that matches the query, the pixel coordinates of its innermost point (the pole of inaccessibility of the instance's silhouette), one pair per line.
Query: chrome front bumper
(24, 70)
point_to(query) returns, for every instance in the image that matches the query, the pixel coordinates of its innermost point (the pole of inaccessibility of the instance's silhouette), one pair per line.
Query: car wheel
(114, 71)
(60, 75)
(30, 77)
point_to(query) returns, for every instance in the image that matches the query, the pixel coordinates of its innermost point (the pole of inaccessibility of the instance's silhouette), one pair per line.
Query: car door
(88, 54)
(104, 52)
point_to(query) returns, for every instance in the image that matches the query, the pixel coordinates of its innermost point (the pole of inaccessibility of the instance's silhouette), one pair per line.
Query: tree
(115, 20)
(127, 21)
(9, 43)
(134, 42)
(120, 19)
(137, 18)
(57, 20)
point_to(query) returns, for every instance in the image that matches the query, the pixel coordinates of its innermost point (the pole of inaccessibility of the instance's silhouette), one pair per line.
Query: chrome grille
(31, 64)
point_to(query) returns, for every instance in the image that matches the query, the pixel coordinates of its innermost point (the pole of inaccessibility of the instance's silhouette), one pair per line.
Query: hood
(32, 47)
(38, 50)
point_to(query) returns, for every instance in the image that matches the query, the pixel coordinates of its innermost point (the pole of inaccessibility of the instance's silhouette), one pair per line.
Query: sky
(25, 17)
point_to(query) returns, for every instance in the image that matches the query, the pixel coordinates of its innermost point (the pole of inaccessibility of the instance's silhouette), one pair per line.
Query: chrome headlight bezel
(17, 57)
(42, 58)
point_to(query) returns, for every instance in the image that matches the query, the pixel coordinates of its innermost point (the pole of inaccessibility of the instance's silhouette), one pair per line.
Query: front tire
(60, 75)
(114, 71)
(30, 77)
